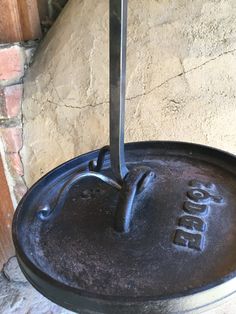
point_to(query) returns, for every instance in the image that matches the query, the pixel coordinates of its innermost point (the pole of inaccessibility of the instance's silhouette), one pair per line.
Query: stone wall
(181, 81)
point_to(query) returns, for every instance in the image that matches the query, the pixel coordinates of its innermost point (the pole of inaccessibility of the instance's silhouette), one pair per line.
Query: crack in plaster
(87, 106)
(183, 73)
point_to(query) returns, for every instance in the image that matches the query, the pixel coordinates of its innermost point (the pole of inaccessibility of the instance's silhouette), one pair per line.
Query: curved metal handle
(46, 212)
(135, 182)
(129, 183)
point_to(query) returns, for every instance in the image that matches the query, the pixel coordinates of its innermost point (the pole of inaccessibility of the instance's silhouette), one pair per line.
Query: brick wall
(14, 60)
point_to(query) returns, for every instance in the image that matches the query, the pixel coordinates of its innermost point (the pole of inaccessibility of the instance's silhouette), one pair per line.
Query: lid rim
(25, 263)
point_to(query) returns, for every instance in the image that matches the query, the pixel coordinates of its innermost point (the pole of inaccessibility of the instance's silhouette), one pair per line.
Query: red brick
(12, 138)
(11, 64)
(13, 97)
(15, 164)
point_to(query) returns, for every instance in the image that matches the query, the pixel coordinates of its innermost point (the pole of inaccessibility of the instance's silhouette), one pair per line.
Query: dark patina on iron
(148, 227)
(168, 262)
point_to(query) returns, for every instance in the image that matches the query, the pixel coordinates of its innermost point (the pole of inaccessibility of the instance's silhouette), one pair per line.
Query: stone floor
(19, 297)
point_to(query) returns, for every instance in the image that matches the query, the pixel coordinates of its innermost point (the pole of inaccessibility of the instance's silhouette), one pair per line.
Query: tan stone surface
(17, 296)
(181, 82)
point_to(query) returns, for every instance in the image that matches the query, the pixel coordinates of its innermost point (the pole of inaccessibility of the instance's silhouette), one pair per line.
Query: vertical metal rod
(118, 39)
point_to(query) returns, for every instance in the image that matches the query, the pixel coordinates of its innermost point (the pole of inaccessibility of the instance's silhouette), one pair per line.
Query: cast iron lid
(181, 238)
(146, 229)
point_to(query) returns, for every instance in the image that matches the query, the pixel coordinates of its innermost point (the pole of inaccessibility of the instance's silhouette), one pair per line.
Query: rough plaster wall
(181, 82)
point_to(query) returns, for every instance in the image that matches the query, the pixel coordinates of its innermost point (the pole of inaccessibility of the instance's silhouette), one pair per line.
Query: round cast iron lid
(179, 254)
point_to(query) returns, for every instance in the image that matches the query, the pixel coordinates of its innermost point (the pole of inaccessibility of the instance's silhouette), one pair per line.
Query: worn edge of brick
(16, 182)
(9, 177)
(17, 78)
